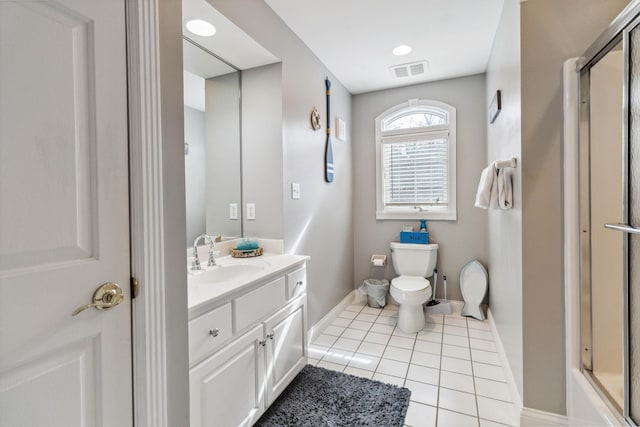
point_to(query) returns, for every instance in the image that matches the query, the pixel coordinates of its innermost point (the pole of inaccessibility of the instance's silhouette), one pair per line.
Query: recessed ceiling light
(401, 50)
(200, 27)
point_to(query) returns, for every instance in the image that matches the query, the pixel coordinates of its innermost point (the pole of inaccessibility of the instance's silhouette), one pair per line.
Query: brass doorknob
(107, 295)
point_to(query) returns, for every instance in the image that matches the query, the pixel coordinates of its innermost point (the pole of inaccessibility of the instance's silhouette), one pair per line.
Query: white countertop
(204, 296)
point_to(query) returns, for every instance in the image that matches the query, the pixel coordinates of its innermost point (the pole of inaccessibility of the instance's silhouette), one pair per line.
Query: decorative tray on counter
(246, 253)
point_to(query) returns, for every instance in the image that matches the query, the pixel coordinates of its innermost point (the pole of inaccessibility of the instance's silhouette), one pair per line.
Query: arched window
(416, 161)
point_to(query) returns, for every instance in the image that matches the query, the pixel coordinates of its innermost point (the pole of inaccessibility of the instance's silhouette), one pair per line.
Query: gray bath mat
(320, 397)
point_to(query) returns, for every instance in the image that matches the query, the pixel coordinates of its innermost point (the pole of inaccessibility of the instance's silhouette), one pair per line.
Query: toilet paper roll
(378, 262)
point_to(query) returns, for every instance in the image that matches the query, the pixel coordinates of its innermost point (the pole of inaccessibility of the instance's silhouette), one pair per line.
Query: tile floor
(451, 366)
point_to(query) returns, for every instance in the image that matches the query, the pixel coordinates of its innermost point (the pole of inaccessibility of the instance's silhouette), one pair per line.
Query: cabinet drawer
(209, 331)
(296, 282)
(256, 304)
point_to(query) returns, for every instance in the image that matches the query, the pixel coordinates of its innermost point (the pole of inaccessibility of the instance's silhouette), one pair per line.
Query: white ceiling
(354, 38)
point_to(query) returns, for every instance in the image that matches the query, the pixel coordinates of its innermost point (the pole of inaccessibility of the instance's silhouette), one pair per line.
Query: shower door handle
(625, 228)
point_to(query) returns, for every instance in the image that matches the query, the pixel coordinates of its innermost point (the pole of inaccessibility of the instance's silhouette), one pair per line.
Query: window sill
(430, 215)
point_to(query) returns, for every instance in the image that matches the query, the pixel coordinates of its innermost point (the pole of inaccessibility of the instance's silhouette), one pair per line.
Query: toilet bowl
(413, 262)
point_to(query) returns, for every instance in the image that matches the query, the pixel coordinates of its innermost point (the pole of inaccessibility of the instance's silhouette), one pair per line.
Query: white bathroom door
(64, 214)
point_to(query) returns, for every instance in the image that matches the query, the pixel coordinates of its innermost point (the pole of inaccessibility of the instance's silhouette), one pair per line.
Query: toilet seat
(410, 283)
(473, 286)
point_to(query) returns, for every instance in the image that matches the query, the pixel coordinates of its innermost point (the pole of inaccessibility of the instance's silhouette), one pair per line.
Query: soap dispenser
(423, 226)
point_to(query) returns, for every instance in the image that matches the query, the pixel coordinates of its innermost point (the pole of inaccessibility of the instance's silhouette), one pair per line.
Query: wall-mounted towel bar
(506, 163)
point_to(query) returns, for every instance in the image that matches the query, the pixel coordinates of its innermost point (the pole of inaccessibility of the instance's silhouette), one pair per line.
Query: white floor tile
(348, 315)
(457, 401)
(387, 320)
(341, 357)
(317, 351)
(455, 340)
(346, 344)
(389, 312)
(399, 333)
(498, 411)
(478, 324)
(389, 379)
(325, 340)
(455, 351)
(490, 372)
(371, 310)
(480, 334)
(428, 347)
(434, 318)
(401, 342)
(341, 321)
(487, 357)
(422, 393)
(382, 329)
(456, 330)
(423, 374)
(430, 336)
(455, 321)
(455, 365)
(492, 389)
(358, 372)
(433, 327)
(426, 359)
(371, 348)
(377, 338)
(396, 353)
(392, 367)
(487, 423)
(359, 324)
(312, 361)
(330, 365)
(419, 415)
(354, 307)
(482, 344)
(364, 317)
(334, 330)
(457, 381)
(455, 419)
(364, 361)
(354, 334)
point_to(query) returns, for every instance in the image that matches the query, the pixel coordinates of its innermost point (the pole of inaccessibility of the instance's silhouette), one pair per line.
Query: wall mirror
(212, 120)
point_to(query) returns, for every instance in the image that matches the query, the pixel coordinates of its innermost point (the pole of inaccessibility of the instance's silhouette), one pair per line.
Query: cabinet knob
(263, 342)
(299, 282)
(214, 332)
(271, 335)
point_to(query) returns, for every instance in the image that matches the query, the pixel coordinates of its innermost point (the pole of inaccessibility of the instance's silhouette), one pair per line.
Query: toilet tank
(411, 259)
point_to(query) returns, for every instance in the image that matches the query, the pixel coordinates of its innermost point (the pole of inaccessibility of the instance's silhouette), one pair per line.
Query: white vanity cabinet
(233, 379)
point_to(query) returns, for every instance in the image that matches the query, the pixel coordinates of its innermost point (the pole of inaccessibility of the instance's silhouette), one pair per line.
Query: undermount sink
(226, 272)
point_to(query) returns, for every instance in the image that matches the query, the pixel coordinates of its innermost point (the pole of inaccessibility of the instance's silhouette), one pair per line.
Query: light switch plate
(233, 211)
(251, 211)
(295, 191)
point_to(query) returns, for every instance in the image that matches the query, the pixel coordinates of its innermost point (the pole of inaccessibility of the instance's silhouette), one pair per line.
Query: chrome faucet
(195, 265)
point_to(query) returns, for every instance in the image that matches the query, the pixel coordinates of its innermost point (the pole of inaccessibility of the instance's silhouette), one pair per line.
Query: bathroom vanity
(247, 336)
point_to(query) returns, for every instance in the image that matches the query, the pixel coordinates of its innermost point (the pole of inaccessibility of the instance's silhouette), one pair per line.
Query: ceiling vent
(409, 70)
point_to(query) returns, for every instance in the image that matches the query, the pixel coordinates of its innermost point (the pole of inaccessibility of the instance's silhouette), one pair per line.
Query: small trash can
(376, 291)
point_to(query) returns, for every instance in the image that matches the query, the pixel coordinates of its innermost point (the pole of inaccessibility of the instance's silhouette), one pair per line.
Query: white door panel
(63, 214)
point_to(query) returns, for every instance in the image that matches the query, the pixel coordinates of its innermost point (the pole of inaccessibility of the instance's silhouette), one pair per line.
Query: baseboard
(322, 324)
(534, 417)
(511, 381)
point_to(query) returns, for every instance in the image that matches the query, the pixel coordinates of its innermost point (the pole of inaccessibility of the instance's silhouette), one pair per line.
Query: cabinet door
(227, 389)
(286, 348)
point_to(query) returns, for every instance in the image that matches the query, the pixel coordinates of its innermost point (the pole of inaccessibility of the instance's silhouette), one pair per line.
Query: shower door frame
(618, 31)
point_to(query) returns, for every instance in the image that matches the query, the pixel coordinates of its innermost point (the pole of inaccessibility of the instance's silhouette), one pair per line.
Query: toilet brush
(442, 306)
(433, 300)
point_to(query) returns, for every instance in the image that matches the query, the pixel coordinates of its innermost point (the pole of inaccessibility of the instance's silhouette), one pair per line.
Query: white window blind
(415, 172)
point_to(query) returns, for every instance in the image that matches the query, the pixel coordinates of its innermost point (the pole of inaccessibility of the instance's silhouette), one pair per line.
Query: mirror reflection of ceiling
(229, 41)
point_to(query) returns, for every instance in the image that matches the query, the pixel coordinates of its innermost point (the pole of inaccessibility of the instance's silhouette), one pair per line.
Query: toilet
(413, 262)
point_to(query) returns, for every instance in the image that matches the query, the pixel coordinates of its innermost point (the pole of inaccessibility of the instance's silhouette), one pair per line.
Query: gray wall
(461, 240)
(262, 150)
(194, 172)
(319, 223)
(551, 32)
(505, 226)
(222, 133)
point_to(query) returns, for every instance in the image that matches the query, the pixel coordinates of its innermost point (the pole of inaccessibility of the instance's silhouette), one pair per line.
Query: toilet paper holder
(378, 260)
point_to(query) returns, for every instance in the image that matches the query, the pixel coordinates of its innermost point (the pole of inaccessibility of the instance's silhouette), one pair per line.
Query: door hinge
(135, 286)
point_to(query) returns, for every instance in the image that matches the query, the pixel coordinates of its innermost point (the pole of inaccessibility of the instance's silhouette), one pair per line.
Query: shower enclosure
(608, 167)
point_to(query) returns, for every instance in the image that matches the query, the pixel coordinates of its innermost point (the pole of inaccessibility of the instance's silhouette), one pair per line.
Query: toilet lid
(410, 283)
(473, 281)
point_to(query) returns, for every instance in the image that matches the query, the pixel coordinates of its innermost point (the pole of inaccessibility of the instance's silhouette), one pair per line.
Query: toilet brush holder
(442, 306)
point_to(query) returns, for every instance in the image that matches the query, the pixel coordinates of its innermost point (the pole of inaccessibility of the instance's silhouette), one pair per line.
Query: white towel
(505, 190)
(487, 195)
